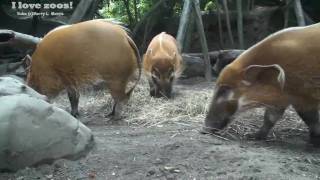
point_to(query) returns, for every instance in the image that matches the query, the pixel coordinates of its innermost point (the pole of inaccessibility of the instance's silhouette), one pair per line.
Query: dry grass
(188, 108)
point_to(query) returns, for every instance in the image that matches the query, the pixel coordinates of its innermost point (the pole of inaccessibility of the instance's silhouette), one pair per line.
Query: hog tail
(138, 58)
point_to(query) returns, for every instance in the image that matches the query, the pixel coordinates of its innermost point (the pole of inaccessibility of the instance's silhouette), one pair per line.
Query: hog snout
(214, 125)
(161, 90)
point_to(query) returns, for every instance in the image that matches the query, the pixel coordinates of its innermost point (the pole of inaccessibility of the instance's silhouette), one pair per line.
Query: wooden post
(185, 16)
(240, 24)
(226, 11)
(80, 11)
(190, 29)
(198, 17)
(220, 25)
(299, 13)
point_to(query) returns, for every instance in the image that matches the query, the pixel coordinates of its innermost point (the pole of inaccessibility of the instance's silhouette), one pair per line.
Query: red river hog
(74, 55)
(162, 64)
(281, 70)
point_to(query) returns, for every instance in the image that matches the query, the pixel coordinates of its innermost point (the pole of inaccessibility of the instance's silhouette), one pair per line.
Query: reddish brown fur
(297, 52)
(79, 54)
(163, 61)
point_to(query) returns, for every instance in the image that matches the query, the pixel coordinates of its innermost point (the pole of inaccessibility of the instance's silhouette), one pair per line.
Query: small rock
(172, 169)
(150, 173)
(49, 176)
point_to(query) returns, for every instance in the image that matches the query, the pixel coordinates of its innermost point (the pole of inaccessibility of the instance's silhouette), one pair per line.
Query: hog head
(239, 89)
(162, 76)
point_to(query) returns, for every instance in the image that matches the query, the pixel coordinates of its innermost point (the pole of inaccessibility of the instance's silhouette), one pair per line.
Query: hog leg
(271, 116)
(117, 90)
(311, 118)
(74, 95)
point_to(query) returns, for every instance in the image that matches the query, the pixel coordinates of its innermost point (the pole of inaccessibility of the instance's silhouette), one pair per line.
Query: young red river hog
(74, 55)
(281, 70)
(162, 64)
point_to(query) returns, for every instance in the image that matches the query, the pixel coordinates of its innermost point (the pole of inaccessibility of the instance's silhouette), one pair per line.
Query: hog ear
(26, 61)
(174, 55)
(149, 53)
(254, 73)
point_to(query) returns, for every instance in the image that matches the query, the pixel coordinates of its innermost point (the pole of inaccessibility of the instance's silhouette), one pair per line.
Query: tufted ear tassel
(252, 72)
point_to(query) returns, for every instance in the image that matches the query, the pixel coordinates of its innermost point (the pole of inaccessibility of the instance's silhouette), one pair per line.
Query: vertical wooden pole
(203, 40)
(190, 30)
(185, 15)
(299, 13)
(240, 24)
(226, 11)
(80, 12)
(220, 26)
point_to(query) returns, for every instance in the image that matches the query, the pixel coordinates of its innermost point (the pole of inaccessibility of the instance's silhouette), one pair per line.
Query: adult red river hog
(281, 70)
(71, 56)
(162, 64)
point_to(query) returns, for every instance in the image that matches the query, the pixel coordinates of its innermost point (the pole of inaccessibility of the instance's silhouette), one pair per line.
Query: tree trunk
(203, 40)
(127, 5)
(226, 10)
(147, 16)
(299, 13)
(240, 24)
(286, 14)
(80, 12)
(92, 12)
(184, 18)
(191, 26)
(136, 12)
(220, 26)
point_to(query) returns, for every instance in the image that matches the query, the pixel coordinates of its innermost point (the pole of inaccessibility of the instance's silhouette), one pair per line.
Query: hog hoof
(153, 93)
(75, 114)
(112, 117)
(208, 130)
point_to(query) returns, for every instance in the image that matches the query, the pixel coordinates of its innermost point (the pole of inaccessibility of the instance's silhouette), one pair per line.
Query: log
(224, 58)
(10, 68)
(194, 64)
(214, 55)
(18, 40)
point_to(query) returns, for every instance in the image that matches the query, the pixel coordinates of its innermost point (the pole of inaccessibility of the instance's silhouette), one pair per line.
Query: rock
(33, 131)
(10, 85)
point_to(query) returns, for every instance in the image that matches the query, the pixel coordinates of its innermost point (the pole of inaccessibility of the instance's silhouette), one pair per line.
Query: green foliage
(116, 9)
(211, 6)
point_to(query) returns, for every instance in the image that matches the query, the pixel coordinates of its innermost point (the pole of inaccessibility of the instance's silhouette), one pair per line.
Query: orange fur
(79, 54)
(163, 56)
(297, 52)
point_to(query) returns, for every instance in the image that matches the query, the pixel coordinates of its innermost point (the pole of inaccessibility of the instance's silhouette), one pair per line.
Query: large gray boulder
(10, 85)
(33, 131)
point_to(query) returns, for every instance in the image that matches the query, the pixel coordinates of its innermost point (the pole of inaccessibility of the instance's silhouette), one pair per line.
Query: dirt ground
(160, 139)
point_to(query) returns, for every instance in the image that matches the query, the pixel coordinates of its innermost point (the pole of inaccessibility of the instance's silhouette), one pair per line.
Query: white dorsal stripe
(161, 39)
